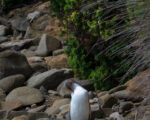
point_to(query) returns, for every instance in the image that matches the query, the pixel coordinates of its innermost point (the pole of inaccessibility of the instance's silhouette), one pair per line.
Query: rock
(3, 39)
(38, 109)
(146, 101)
(13, 63)
(47, 45)
(107, 101)
(22, 117)
(125, 106)
(35, 59)
(58, 52)
(28, 53)
(96, 111)
(39, 67)
(63, 111)
(3, 114)
(2, 95)
(11, 82)
(60, 61)
(50, 79)
(116, 116)
(25, 95)
(20, 24)
(3, 30)
(17, 45)
(140, 84)
(53, 92)
(54, 109)
(33, 15)
(127, 95)
(118, 88)
(64, 92)
(31, 116)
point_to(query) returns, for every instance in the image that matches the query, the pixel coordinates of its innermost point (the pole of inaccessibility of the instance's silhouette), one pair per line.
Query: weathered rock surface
(3, 39)
(25, 95)
(47, 45)
(50, 79)
(58, 52)
(60, 61)
(13, 63)
(11, 82)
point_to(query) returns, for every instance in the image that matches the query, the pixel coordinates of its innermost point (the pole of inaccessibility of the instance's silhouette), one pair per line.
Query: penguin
(79, 106)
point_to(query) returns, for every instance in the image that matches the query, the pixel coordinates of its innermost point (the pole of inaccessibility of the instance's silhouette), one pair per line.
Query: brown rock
(11, 82)
(60, 61)
(25, 95)
(140, 84)
(2, 95)
(10, 105)
(38, 109)
(22, 117)
(54, 109)
(108, 101)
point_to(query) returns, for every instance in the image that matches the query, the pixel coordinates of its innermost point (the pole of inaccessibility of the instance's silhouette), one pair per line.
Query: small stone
(116, 116)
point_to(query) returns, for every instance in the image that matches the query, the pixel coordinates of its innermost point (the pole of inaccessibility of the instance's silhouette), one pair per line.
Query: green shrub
(91, 50)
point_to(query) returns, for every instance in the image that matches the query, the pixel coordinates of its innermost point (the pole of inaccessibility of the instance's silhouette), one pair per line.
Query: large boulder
(60, 61)
(50, 79)
(25, 95)
(47, 45)
(13, 63)
(11, 82)
(140, 84)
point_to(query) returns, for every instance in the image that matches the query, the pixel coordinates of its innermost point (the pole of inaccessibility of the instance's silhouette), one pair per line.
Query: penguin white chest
(79, 108)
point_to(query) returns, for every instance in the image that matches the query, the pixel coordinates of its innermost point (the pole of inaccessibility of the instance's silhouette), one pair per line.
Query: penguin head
(70, 84)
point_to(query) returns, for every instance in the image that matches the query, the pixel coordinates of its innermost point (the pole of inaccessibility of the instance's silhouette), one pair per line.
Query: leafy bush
(95, 44)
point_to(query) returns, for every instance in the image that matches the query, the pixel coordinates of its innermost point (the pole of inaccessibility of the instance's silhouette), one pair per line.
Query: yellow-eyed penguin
(79, 106)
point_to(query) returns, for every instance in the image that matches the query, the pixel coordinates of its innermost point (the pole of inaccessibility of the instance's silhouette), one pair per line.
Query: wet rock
(60, 61)
(107, 101)
(47, 45)
(13, 63)
(50, 79)
(58, 52)
(125, 106)
(25, 95)
(11, 82)
(140, 84)
(54, 109)
(127, 95)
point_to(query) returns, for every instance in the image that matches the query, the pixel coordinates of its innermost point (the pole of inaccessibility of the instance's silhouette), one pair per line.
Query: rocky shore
(34, 70)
